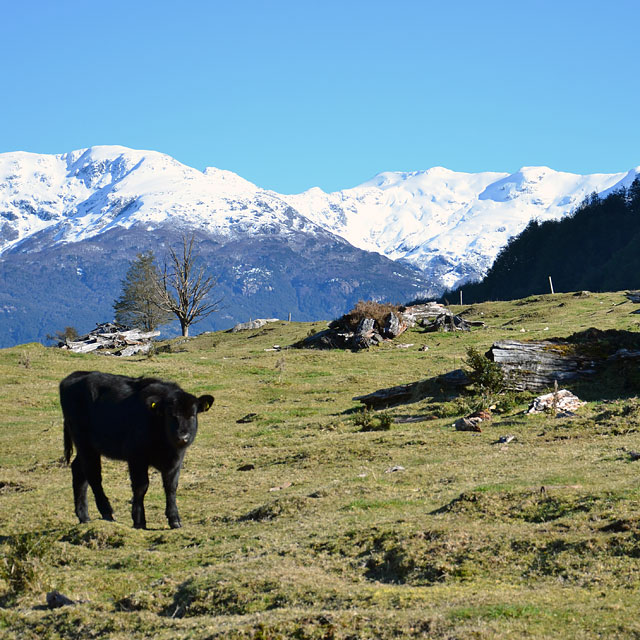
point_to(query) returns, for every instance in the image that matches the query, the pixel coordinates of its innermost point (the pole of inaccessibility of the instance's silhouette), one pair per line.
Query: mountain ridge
(71, 223)
(451, 225)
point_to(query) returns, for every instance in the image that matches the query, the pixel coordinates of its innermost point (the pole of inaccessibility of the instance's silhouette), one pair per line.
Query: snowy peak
(89, 191)
(228, 182)
(544, 186)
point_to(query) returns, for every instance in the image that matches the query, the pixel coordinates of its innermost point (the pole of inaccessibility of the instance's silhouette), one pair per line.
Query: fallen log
(537, 364)
(534, 366)
(419, 312)
(252, 324)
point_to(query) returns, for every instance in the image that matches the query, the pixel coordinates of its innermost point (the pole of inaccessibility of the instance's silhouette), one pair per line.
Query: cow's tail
(68, 443)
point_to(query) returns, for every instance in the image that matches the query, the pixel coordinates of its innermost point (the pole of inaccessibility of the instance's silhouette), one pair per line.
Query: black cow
(144, 421)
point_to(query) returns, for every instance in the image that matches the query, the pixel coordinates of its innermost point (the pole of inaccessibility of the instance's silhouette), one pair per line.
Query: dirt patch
(530, 506)
(94, 538)
(287, 506)
(12, 487)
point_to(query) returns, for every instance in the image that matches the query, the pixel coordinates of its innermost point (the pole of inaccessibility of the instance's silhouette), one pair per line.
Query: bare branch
(185, 291)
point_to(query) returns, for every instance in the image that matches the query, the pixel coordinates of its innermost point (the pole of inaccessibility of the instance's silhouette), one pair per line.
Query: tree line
(595, 248)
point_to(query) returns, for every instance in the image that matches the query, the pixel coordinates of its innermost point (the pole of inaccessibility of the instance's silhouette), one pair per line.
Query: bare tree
(184, 290)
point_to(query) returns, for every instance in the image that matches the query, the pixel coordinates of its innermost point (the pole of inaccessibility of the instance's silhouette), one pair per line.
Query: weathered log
(133, 349)
(414, 314)
(362, 338)
(535, 366)
(634, 296)
(80, 346)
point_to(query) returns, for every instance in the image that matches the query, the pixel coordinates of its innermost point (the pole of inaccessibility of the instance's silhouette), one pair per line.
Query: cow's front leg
(170, 482)
(139, 473)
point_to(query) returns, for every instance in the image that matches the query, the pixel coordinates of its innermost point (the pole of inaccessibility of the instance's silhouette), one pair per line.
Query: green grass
(316, 539)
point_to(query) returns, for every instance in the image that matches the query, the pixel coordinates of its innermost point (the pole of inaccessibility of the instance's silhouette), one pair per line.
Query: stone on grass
(562, 401)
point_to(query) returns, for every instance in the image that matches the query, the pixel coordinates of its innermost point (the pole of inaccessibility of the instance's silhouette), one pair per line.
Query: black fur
(143, 421)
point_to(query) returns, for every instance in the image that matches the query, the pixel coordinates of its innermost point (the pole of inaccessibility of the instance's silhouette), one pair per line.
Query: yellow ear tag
(153, 405)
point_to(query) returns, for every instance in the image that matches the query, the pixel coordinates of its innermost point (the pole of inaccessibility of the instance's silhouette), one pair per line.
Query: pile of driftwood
(115, 338)
(369, 331)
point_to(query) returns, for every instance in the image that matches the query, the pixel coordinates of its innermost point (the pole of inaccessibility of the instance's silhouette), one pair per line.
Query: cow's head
(179, 412)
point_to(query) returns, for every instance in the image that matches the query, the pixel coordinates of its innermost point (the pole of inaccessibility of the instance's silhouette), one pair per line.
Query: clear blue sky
(292, 94)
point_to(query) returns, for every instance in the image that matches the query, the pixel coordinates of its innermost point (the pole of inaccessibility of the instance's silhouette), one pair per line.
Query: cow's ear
(154, 403)
(204, 403)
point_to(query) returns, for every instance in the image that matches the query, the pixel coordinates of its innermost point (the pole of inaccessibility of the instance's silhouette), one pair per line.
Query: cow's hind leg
(93, 471)
(80, 485)
(139, 474)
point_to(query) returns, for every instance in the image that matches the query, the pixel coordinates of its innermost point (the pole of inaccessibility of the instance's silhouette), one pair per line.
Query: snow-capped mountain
(71, 224)
(88, 192)
(448, 224)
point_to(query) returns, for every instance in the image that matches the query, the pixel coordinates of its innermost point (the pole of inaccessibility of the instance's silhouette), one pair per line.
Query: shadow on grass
(442, 388)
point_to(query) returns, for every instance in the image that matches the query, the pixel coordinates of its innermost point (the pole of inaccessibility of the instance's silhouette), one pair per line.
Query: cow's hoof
(139, 525)
(175, 524)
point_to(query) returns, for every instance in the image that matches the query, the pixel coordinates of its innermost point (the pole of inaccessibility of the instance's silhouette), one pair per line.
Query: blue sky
(295, 94)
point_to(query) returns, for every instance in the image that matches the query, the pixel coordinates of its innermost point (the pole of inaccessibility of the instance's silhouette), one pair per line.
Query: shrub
(69, 333)
(486, 376)
(369, 421)
(369, 309)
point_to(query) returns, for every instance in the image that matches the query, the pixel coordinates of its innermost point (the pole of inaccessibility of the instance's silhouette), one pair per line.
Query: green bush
(369, 309)
(367, 420)
(486, 376)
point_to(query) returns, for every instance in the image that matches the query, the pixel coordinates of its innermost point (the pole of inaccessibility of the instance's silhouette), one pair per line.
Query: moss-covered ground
(295, 524)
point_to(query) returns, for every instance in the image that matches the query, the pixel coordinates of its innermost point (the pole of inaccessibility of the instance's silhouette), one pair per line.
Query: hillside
(595, 248)
(297, 523)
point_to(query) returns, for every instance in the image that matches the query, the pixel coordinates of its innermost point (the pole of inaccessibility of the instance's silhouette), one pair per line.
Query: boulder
(258, 323)
(556, 401)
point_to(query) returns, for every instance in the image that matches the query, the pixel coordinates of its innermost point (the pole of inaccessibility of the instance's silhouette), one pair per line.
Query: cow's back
(107, 412)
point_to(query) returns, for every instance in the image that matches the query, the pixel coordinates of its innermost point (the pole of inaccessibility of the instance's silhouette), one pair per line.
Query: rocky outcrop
(252, 324)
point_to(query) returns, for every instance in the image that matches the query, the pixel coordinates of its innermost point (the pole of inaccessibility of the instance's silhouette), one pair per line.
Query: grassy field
(317, 537)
